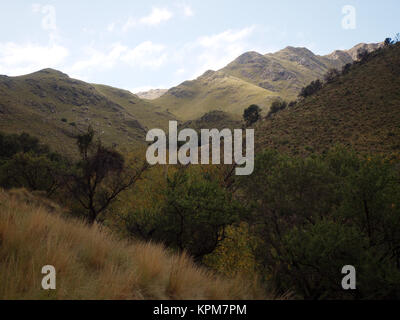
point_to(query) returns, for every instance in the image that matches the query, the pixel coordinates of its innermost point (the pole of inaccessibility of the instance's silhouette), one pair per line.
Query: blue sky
(139, 45)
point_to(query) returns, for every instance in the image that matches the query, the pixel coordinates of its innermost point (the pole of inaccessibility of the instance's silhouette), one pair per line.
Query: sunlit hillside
(93, 264)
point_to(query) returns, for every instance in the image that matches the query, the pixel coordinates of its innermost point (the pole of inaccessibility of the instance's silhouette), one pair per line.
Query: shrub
(312, 88)
(24, 162)
(252, 114)
(277, 106)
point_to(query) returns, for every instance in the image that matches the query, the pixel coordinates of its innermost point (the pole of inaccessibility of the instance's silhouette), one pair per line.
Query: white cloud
(144, 55)
(225, 37)
(49, 19)
(156, 17)
(17, 59)
(187, 10)
(98, 60)
(180, 71)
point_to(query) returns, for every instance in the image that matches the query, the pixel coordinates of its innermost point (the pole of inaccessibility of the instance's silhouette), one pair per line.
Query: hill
(52, 106)
(253, 78)
(213, 91)
(91, 263)
(360, 108)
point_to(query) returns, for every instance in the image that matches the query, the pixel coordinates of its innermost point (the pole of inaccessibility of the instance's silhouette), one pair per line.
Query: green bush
(317, 214)
(277, 106)
(252, 114)
(312, 88)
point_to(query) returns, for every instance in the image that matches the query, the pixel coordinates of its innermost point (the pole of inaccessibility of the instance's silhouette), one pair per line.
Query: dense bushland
(315, 215)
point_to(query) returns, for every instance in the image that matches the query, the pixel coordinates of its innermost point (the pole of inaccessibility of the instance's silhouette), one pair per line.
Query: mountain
(53, 107)
(360, 108)
(253, 78)
(151, 94)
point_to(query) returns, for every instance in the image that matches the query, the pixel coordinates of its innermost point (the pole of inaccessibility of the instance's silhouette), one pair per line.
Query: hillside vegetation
(53, 107)
(93, 264)
(214, 120)
(359, 108)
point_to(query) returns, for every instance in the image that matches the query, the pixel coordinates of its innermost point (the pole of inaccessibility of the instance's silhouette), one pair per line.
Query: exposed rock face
(351, 55)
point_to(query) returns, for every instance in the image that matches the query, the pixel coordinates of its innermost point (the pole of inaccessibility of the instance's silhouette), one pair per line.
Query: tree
(34, 172)
(252, 114)
(277, 106)
(25, 163)
(388, 42)
(99, 177)
(193, 218)
(11, 144)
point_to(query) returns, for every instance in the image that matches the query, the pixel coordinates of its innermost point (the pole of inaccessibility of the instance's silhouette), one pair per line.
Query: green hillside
(213, 91)
(360, 108)
(53, 107)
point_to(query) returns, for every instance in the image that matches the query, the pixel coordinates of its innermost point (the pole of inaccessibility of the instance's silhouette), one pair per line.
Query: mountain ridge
(276, 75)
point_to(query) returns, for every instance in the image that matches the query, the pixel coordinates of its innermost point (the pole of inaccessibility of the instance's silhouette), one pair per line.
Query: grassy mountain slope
(148, 115)
(91, 263)
(50, 105)
(213, 91)
(253, 78)
(359, 109)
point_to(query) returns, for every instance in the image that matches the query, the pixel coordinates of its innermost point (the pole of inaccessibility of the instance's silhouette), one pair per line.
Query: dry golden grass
(92, 264)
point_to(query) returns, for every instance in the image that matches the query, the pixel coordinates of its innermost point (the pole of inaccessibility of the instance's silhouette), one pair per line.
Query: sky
(140, 45)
